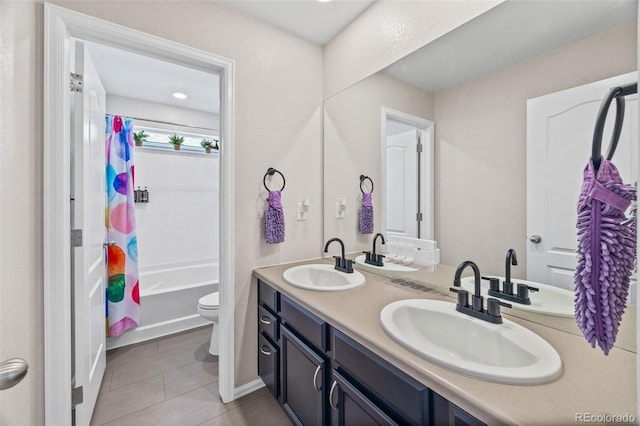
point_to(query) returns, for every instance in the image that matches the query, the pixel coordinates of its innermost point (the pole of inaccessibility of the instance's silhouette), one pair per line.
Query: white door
(401, 184)
(87, 214)
(559, 135)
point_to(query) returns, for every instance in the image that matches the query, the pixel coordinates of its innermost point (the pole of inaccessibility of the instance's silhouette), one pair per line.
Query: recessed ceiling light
(179, 95)
(324, 1)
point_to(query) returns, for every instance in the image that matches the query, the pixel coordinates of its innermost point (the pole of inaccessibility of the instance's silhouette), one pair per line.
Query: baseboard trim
(247, 388)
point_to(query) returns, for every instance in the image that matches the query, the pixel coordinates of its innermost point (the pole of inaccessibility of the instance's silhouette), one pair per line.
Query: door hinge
(419, 147)
(76, 238)
(419, 217)
(75, 84)
(77, 396)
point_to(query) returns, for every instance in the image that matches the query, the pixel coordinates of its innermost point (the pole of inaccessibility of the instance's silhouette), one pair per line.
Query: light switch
(303, 209)
(341, 208)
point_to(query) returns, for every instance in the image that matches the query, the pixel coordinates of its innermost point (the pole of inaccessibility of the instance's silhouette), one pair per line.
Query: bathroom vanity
(326, 358)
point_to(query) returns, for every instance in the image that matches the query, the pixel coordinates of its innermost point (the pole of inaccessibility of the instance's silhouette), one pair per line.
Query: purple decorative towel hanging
(366, 214)
(606, 253)
(274, 219)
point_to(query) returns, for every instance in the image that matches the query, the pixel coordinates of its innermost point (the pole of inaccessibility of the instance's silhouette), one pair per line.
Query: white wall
(481, 146)
(180, 223)
(353, 146)
(129, 107)
(278, 123)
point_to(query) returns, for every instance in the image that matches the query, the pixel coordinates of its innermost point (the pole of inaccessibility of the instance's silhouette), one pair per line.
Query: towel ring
(362, 179)
(596, 147)
(271, 171)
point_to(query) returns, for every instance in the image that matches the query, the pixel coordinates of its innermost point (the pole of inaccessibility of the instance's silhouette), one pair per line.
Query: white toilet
(208, 307)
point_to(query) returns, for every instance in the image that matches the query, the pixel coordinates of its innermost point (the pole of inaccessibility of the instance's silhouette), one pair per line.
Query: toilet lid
(210, 301)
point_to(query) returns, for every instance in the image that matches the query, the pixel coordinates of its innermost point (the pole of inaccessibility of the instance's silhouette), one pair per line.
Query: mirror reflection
(481, 87)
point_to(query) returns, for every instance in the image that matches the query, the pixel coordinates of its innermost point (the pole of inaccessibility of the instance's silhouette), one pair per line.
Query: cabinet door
(268, 364)
(351, 407)
(303, 386)
(448, 414)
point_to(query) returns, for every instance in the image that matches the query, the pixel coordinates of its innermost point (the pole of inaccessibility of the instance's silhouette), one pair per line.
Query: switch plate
(303, 209)
(341, 208)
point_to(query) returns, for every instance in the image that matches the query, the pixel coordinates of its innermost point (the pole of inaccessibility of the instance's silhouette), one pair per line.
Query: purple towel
(366, 214)
(606, 253)
(274, 219)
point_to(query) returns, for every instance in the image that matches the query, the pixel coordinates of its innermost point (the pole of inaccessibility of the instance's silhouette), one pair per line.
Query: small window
(159, 139)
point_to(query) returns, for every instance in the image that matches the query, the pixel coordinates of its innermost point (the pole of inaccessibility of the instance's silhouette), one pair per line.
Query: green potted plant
(139, 137)
(176, 141)
(207, 145)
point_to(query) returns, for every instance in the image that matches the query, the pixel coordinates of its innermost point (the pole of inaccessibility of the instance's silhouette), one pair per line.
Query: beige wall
(481, 146)
(278, 122)
(352, 146)
(389, 30)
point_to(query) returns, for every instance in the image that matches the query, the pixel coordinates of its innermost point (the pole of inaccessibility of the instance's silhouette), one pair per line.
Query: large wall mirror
(474, 85)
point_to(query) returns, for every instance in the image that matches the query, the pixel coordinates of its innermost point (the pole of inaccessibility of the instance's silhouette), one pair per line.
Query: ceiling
(312, 20)
(141, 77)
(510, 33)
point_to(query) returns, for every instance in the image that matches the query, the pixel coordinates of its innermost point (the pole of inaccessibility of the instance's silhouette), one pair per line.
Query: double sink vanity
(364, 348)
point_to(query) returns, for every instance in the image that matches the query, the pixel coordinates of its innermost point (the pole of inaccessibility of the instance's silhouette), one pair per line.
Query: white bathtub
(169, 301)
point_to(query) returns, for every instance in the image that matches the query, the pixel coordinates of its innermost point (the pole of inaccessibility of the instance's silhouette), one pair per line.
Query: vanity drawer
(268, 297)
(388, 386)
(269, 365)
(305, 324)
(267, 323)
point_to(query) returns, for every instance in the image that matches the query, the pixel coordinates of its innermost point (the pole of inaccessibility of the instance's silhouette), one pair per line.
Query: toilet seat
(210, 302)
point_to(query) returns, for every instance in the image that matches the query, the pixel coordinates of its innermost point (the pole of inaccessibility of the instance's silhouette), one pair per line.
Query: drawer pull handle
(265, 350)
(333, 386)
(265, 320)
(315, 378)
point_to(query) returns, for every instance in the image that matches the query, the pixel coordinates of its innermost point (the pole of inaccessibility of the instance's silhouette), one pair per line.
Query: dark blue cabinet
(268, 338)
(351, 407)
(303, 380)
(323, 377)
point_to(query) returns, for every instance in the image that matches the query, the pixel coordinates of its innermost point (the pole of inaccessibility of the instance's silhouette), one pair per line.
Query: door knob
(535, 239)
(12, 371)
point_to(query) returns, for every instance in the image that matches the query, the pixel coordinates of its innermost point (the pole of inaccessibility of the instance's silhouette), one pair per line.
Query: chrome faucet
(342, 263)
(371, 257)
(476, 309)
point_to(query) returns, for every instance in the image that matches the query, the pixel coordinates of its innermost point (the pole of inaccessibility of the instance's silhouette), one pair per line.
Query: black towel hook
(271, 171)
(596, 148)
(362, 179)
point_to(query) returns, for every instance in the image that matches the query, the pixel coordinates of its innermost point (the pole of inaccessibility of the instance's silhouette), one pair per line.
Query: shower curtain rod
(172, 124)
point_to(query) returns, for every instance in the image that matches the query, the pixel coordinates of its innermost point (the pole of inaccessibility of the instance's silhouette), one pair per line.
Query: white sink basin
(322, 277)
(502, 353)
(388, 266)
(549, 300)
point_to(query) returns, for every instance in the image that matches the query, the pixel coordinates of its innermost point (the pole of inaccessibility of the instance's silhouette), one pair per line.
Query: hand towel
(274, 219)
(366, 214)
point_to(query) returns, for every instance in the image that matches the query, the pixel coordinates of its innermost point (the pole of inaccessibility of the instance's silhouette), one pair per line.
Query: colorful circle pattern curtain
(123, 291)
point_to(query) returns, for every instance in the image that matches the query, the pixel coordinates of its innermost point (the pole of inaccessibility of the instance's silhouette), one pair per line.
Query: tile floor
(173, 380)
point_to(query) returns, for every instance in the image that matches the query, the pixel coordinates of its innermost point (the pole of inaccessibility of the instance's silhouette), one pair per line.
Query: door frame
(427, 192)
(59, 25)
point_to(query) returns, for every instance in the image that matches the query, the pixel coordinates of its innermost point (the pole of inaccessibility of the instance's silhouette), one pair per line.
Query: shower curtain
(123, 294)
